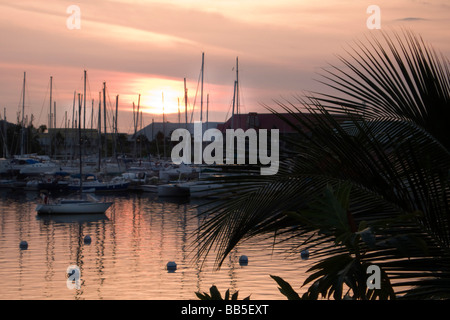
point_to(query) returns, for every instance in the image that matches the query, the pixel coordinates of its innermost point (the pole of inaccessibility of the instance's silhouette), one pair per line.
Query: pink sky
(148, 47)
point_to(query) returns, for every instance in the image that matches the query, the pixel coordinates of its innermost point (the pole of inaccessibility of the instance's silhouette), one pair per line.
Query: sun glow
(156, 95)
(161, 100)
(160, 95)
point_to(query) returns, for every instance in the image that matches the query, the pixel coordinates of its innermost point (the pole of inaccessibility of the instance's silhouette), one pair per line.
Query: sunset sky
(147, 47)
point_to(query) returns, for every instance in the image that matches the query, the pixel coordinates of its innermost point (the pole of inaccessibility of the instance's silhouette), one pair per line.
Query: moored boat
(73, 206)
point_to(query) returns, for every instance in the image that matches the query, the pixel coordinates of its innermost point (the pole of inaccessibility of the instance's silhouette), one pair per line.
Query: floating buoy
(304, 254)
(87, 239)
(243, 260)
(171, 266)
(23, 245)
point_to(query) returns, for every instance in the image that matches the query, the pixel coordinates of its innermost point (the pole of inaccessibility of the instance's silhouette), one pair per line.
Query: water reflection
(128, 254)
(71, 218)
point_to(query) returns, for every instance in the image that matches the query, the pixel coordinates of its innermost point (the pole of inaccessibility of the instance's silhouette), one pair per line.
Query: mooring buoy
(171, 266)
(243, 260)
(87, 239)
(304, 254)
(23, 245)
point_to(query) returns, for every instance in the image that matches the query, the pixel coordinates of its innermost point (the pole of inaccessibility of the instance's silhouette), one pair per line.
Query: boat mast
(140, 143)
(234, 104)
(66, 124)
(237, 85)
(138, 107)
(92, 116)
(54, 123)
(23, 111)
(185, 101)
(104, 119)
(73, 125)
(201, 94)
(235, 94)
(73, 110)
(164, 127)
(207, 111)
(117, 110)
(99, 130)
(79, 142)
(84, 97)
(54, 114)
(5, 135)
(50, 114)
(91, 134)
(137, 124)
(116, 131)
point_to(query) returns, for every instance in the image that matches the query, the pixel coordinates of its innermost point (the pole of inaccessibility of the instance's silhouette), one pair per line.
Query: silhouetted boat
(73, 206)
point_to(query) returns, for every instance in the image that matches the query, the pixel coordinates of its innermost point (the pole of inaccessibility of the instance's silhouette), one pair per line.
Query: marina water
(127, 255)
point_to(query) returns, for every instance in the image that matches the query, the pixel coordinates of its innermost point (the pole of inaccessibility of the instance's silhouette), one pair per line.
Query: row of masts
(137, 114)
(82, 107)
(102, 96)
(236, 102)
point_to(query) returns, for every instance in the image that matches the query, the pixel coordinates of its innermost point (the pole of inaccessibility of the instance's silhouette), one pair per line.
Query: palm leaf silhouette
(381, 139)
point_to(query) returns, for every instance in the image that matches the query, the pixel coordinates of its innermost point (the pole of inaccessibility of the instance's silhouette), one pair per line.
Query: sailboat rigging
(74, 206)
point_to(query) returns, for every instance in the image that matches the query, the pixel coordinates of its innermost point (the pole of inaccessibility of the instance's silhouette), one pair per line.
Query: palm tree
(372, 190)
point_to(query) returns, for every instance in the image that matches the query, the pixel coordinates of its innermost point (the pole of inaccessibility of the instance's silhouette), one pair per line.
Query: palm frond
(382, 143)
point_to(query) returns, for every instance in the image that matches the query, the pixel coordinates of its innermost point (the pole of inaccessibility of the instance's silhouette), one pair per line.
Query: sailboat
(180, 189)
(74, 206)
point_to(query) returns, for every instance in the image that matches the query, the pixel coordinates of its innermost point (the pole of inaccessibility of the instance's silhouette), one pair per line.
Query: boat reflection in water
(72, 218)
(127, 255)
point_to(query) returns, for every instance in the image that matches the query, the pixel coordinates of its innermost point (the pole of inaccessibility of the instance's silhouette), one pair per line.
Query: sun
(161, 100)
(160, 95)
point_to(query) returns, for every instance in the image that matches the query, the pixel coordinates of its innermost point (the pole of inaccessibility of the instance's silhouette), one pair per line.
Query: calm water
(126, 259)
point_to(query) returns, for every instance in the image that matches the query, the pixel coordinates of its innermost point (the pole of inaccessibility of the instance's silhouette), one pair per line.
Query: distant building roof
(167, 128)
(254, 120)
(269, 121)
